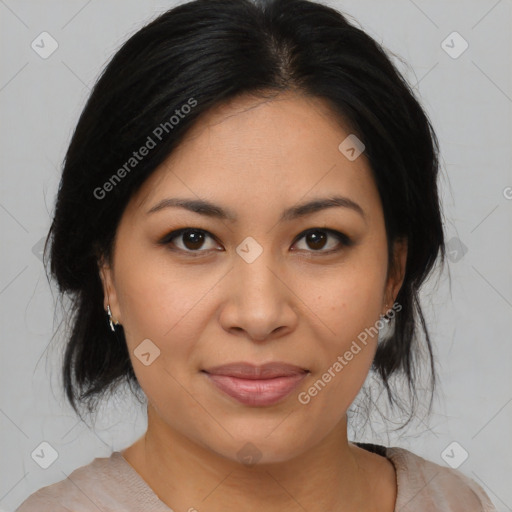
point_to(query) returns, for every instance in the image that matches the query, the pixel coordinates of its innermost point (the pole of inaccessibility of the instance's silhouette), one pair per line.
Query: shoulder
(90, 487)
(424, 485)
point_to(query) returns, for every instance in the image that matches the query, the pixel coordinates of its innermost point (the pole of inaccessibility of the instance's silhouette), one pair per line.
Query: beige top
(111, 484)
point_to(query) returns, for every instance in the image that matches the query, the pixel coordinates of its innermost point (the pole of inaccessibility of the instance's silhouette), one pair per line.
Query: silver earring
(110, 319)
(387, 328)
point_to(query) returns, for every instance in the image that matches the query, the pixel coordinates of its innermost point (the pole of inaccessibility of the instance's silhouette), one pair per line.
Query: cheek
(155, 296)
(351, 311)
(162, 318)
(163, 304)
(347, 300)
(349, 303)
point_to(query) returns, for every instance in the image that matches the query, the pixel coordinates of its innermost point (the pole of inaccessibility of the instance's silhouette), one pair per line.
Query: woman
(248, 203)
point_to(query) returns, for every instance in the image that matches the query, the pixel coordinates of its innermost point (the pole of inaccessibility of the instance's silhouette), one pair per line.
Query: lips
(254, 385)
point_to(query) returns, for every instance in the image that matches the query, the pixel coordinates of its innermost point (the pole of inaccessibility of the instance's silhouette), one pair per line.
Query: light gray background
(469, 100)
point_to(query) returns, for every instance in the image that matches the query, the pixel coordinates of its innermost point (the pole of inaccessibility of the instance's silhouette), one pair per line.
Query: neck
(334, 475)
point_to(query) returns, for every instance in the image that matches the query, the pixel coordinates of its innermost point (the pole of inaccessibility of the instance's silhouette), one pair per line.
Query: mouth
(256, 386)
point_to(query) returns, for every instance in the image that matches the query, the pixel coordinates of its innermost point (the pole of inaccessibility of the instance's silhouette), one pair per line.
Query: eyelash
(344, 240)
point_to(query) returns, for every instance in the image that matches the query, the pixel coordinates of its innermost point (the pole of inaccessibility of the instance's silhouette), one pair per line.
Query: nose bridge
(253, 271)
(259, 302)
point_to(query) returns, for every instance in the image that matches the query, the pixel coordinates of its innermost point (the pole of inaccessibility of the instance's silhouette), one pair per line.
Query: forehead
(265, 152)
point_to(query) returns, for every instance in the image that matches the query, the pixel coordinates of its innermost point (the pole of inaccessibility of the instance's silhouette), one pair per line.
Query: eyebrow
(209, 209)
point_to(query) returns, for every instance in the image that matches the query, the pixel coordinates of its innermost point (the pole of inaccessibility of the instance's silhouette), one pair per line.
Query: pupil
(316, 239)
(193, 239)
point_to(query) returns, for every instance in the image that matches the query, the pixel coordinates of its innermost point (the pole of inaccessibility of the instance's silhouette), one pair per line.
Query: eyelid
(167, 239)
(343, 239)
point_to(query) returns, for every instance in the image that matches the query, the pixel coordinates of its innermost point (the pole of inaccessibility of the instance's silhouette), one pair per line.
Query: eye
(317, 239)
(192, 240)
(189, 240)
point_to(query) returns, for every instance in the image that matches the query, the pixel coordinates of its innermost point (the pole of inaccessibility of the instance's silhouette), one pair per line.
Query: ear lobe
(109, 290)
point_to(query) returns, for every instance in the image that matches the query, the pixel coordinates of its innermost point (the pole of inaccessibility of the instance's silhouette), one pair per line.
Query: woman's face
(252, 287)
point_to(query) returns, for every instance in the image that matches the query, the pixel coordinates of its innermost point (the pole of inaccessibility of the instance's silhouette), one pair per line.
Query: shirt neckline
(147, 496)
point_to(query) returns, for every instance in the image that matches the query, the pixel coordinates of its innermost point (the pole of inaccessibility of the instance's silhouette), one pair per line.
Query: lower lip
(257, 392)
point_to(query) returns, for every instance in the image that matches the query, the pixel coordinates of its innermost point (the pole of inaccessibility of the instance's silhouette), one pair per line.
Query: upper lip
(250, 371)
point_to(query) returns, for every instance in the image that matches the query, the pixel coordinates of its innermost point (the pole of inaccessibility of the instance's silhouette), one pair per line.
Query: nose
(260, 304)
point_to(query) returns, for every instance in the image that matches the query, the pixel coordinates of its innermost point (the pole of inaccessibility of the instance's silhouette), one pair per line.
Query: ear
(396, 272)
(109, 290)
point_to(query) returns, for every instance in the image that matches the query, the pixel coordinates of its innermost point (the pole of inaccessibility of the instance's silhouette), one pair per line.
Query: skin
(294, 304)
